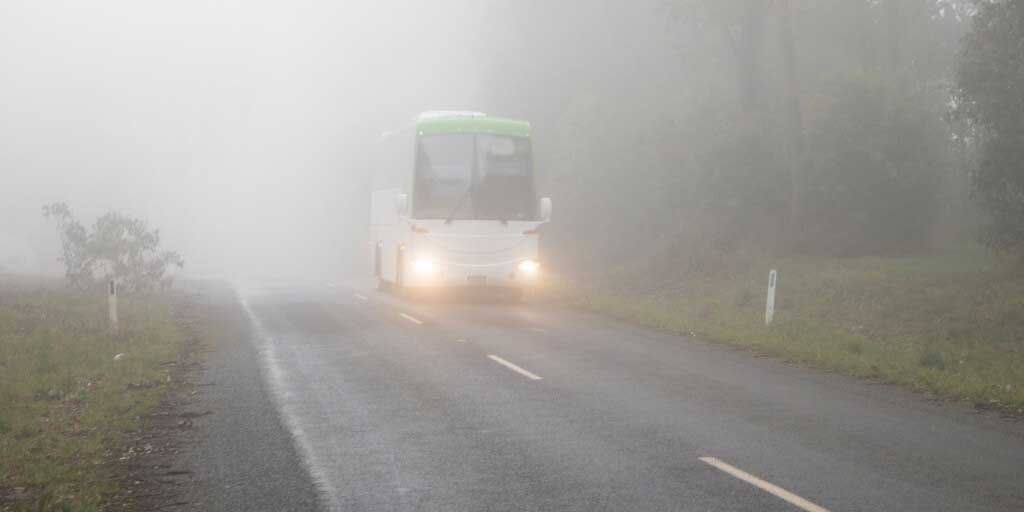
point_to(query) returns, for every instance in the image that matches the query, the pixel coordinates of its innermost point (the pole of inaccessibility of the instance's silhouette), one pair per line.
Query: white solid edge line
(768, 487)
(361, 296)
(278, 382)
(412, 319)
(510, 366)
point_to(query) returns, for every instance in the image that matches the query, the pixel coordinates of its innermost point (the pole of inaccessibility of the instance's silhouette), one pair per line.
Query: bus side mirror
(545, 209)
(402, 204)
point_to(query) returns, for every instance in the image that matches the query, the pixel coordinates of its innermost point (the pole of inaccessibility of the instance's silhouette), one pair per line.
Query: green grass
(65, 404)
(950, 324)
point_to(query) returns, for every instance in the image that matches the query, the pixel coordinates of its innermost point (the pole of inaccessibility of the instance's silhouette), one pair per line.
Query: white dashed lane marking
(764, 486)
(412, 319)
(517, 369)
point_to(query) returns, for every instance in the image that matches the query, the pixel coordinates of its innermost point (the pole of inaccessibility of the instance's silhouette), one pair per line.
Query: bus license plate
(477, 280)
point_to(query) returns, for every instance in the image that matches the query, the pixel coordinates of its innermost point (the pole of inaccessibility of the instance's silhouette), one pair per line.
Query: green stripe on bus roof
(460, 124)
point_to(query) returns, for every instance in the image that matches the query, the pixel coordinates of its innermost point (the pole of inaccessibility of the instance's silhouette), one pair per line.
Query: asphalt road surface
(399, 405)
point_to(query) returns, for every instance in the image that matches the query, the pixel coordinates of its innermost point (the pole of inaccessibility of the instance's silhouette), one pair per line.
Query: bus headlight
(423, 266)
(528, 267)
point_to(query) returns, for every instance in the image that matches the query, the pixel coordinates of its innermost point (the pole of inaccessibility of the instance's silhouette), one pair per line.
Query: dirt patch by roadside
(71, 393)
(173, 414)
(216, 441)
(145, 466)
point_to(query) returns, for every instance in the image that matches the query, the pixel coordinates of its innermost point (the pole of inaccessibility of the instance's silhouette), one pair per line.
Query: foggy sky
(238, 127)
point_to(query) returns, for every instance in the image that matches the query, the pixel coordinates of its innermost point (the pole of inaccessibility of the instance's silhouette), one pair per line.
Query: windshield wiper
(462, 202)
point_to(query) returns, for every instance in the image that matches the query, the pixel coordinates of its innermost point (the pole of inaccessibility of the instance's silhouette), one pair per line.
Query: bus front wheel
(376, 260)
(400, 270)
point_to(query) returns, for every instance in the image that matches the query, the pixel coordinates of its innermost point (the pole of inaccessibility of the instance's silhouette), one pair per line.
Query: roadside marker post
(769, 310)
(112, 306)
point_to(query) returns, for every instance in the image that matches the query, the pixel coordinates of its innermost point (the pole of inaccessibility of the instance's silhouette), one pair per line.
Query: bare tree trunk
(862, 20)
(748, 54)
(894, 21)
(794, 117)
(899, 76)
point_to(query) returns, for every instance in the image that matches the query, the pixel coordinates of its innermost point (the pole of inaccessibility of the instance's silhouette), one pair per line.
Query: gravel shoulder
(216, 442)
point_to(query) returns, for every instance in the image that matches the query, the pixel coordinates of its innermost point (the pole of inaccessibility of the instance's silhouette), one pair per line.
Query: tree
(118, 247)
(874, 164)
(742, 24)
(687, 134)
(989, 99)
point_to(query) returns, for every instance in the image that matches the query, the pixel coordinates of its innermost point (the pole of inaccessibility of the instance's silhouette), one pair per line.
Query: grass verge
(66, 405)
(950, 324)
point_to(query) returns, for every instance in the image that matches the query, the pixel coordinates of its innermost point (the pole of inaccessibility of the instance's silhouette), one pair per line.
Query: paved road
(396, 405)
(240, 456)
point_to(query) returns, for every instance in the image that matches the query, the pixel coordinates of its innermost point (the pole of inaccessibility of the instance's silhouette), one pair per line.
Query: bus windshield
(474, 176)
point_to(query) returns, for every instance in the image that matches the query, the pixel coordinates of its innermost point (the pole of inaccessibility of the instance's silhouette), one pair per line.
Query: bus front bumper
(428, 274)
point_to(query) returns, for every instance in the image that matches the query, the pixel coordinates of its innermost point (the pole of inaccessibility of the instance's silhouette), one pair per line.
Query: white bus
(454, 205)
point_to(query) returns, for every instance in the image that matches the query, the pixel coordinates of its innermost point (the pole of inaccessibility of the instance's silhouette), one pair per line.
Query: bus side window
(392, 162)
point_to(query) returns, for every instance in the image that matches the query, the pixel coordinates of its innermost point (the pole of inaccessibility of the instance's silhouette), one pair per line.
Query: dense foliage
(990, 100)
(117, 247)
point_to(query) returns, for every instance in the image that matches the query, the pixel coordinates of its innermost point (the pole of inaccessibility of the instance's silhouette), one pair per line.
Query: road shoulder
(216, 442)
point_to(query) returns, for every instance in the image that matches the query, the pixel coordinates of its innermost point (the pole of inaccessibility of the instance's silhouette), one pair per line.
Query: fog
(512, 255)
(238, 128)
(688, 135)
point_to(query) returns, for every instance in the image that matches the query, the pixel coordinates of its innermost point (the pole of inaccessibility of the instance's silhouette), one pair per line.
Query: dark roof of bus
(474, 123)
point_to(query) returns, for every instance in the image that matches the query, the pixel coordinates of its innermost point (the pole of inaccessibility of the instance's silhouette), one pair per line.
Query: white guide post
(769, 309)
(112, 303)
